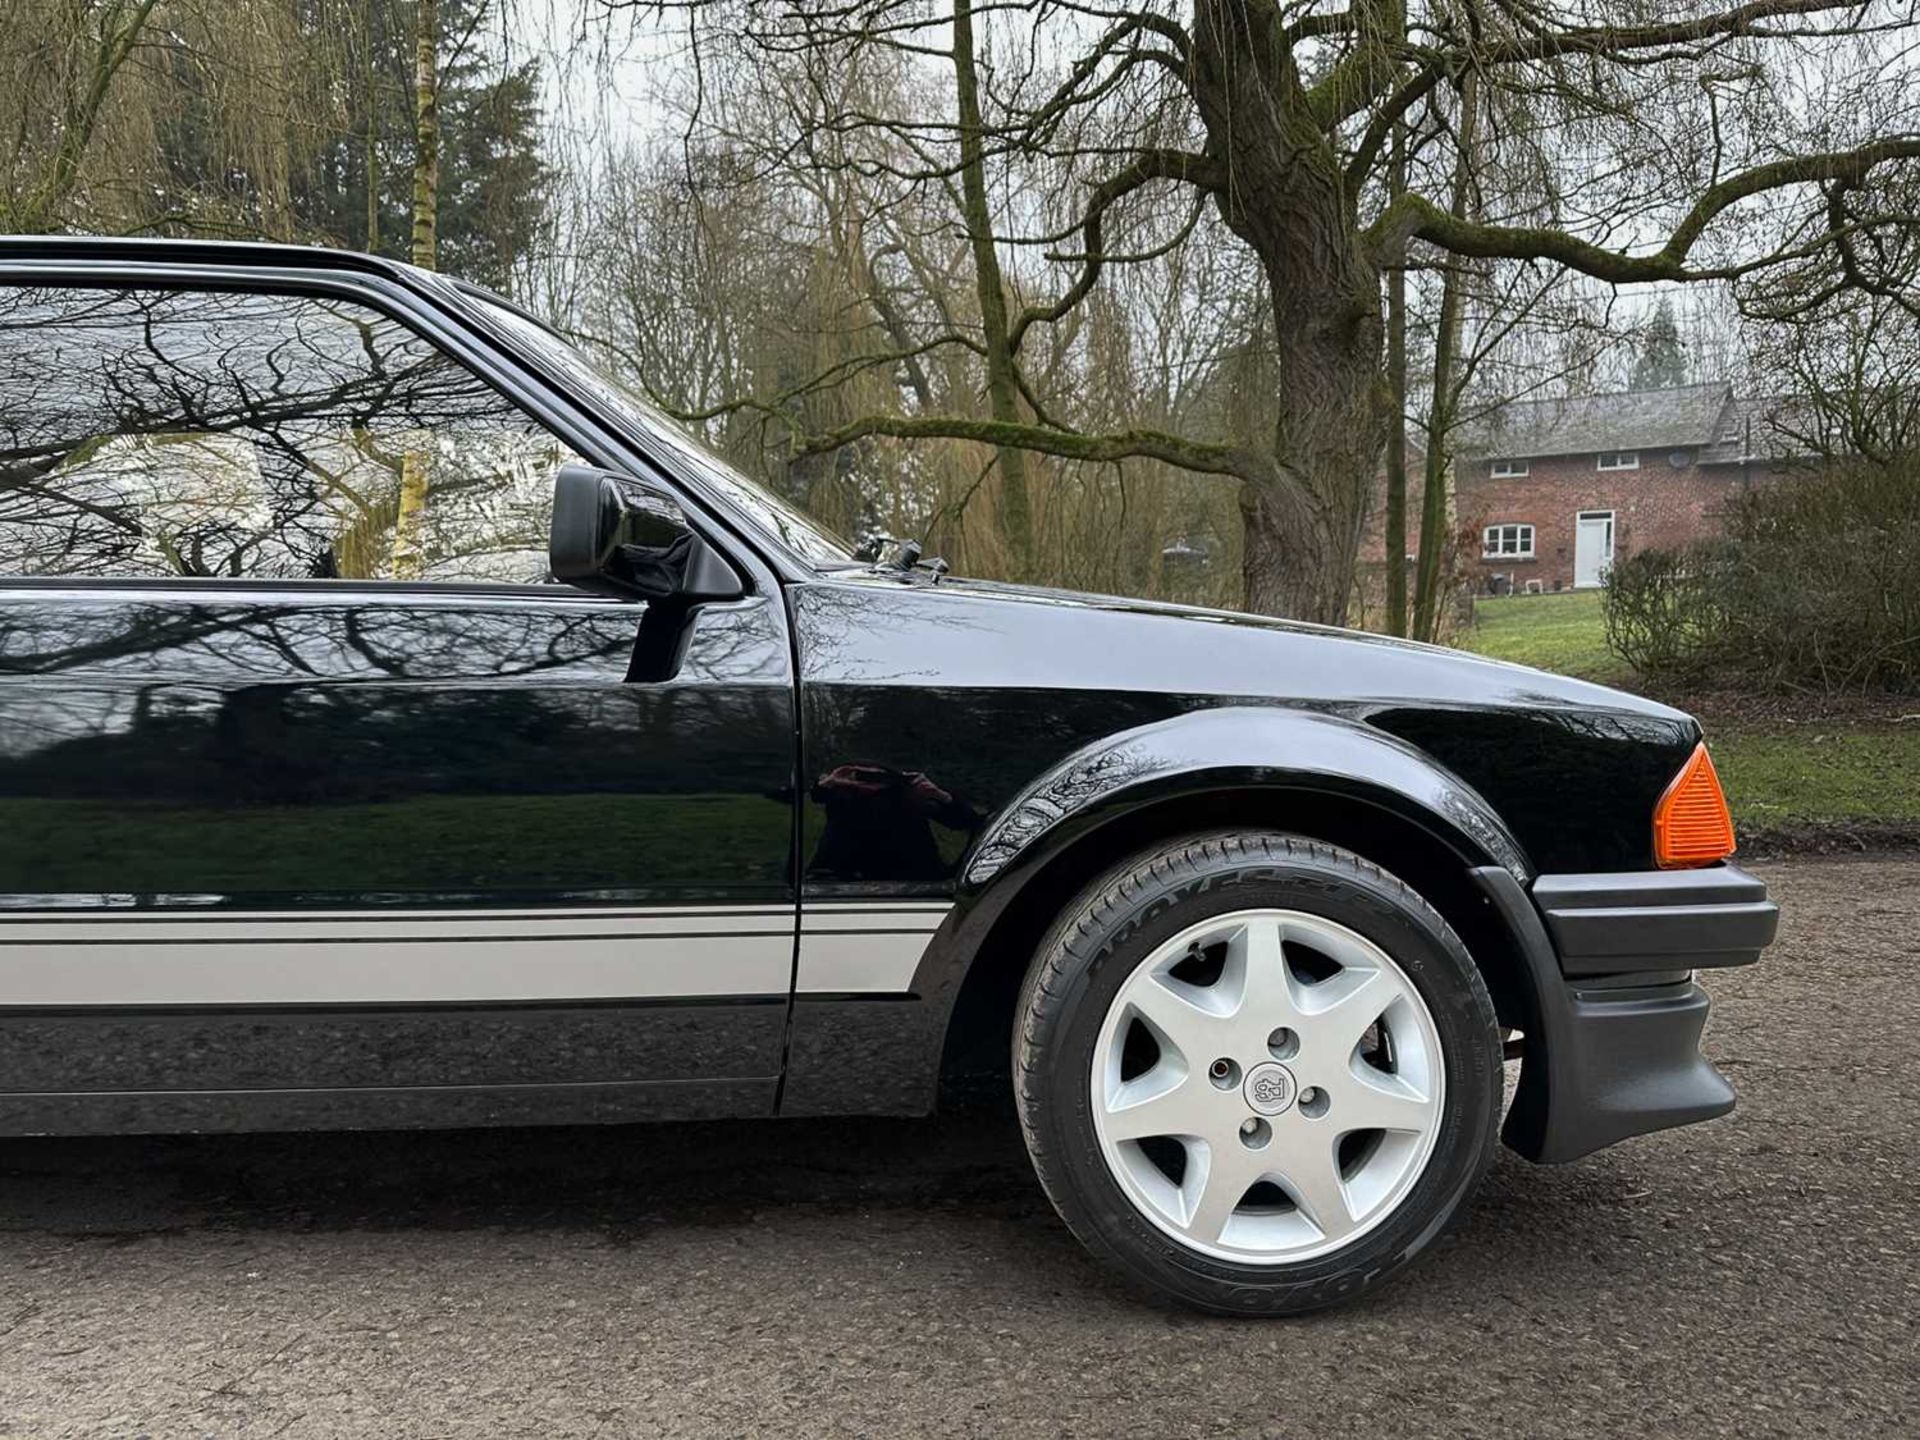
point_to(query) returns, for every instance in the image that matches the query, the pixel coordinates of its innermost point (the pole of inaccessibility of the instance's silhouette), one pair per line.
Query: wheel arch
(1340, 783)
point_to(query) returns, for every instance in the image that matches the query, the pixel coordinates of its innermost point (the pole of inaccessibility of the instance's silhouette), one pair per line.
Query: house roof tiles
(1685, 416)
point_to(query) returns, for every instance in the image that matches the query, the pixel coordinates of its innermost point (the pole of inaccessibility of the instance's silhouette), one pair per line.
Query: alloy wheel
(1267, 1086)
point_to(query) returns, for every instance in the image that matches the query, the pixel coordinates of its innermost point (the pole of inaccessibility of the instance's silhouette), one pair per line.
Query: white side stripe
(201, 957)
(868, 949)
(163, 927)
(400, 957)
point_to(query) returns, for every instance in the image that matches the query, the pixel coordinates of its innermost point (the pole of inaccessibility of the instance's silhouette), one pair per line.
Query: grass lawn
(1787, 771)
(1820, 772)
(1564, 632)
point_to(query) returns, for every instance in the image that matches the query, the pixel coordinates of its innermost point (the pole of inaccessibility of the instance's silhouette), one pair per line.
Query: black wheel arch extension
(1341, 783)
(1208, 753)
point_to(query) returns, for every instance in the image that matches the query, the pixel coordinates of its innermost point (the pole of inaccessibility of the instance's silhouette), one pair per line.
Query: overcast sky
(600, 74)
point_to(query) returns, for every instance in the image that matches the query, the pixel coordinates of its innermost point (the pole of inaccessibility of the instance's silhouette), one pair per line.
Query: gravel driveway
(1756, 1276)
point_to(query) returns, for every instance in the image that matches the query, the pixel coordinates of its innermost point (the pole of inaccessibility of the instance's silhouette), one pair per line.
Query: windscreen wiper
(905, 556)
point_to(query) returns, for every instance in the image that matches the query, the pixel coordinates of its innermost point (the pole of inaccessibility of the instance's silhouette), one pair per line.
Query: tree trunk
(1285, 564)
(1287, 198)
(410, 519)
(1436, 520)
(1395, 546)
(426, 124)
(1016, 513)
(372, 138)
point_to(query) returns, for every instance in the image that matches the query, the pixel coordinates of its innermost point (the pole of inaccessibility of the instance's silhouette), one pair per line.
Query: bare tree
(76, 51)
(1733, 144)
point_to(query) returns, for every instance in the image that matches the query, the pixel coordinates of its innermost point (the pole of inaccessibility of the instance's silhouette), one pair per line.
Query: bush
(1816, 586)
(1826, 594)
(1664, 610)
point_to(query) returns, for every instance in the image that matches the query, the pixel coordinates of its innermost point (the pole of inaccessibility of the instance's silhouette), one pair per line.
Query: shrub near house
(1815, 588)
(1557, 490)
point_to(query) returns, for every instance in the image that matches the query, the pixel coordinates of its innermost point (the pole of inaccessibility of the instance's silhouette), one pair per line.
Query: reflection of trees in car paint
(211, 634)
(212, 743)
(1527, 762)
(211, 433)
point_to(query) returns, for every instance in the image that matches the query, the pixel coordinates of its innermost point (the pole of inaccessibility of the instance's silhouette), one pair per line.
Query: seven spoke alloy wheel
(1256, 1072)
(1267, 1085)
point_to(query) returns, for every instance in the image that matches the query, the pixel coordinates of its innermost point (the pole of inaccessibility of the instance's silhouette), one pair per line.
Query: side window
(226, 433)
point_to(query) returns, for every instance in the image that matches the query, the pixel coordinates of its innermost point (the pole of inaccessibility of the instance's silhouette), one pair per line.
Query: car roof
(147, 250)
(262, 255)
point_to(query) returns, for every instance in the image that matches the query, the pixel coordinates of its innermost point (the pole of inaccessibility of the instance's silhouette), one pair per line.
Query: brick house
(1554, 491)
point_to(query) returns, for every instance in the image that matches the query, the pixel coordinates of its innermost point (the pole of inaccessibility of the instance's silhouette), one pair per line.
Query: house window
(1511, 469)
(1508, 542)
(1619, 459)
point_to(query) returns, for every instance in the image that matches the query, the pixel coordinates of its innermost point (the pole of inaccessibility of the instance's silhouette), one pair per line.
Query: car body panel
(1003, 684)
(296, 759)
(429, 749)
(401, 815)
(957, 736)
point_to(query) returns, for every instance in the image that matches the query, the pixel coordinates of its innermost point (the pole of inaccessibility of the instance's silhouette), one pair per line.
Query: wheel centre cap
(1269, 1088)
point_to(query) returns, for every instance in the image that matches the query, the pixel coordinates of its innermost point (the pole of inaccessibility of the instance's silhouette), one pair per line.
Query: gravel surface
(1756, 1276)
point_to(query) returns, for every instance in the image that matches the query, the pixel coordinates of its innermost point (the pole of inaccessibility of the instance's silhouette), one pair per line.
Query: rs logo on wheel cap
(1270, 1088)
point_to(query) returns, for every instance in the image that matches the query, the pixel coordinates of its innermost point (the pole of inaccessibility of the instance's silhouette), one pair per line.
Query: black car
(401, 724)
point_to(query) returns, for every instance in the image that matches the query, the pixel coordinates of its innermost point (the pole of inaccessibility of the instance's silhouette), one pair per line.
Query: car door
(316, 805)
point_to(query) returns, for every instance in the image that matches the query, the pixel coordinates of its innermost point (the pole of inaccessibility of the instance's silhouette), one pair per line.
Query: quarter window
(1619, 459)
(1511, 469)
(1509, 542)
(222, 433)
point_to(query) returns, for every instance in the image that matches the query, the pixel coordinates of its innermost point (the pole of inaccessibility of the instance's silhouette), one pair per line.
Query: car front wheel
(1257, 1073)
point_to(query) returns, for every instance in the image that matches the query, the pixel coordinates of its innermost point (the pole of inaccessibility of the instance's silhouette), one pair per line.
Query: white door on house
(1592, 548)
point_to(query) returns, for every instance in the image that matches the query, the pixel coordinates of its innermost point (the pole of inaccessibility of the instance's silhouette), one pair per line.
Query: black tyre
(1256, 1073)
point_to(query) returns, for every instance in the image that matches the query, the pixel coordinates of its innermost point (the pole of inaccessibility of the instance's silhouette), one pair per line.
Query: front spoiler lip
(1605, 1061)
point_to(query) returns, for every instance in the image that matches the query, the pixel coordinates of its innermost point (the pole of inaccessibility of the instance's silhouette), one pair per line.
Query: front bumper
(1660, 920)
(1613, 1045)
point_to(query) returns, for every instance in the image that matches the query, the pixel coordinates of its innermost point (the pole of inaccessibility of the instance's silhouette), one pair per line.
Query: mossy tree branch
(1209, 459)
(1414, 216)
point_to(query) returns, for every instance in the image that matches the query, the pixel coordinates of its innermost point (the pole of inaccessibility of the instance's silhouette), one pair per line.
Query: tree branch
(1620, 39)
(1588, 40)
(1197, 455)
(1416, 216)
(119, 32)
(1158, 164)
(1367, 70)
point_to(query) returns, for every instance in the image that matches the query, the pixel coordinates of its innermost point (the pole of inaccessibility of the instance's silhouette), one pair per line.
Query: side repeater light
(1691, 825)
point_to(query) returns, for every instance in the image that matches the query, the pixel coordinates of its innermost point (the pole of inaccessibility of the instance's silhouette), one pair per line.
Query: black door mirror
(619, 536)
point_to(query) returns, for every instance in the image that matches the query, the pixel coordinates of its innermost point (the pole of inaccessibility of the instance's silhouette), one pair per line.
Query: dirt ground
(1756, 1276)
